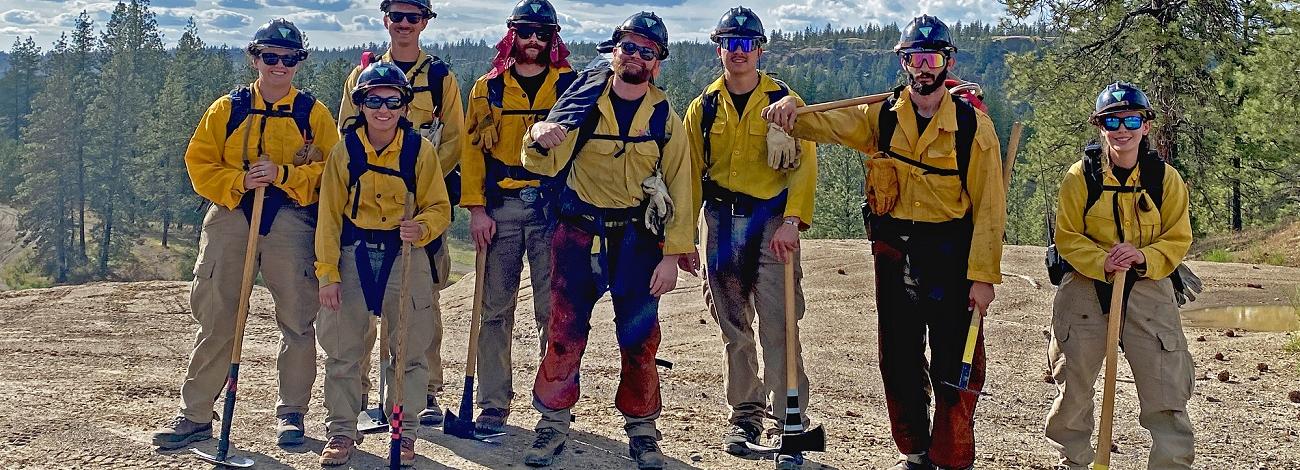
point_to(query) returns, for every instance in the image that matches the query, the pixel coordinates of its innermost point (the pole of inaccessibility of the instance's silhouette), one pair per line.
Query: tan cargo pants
(285, 260)
(521, 230)
(1156, 350)
(342, 336)
(742, 280)
(441, 259)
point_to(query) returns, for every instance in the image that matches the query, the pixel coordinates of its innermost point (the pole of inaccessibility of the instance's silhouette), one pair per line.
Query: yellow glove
(659, 209)
(882, 185)
(782, 150)
(485, 131)
(307, 154)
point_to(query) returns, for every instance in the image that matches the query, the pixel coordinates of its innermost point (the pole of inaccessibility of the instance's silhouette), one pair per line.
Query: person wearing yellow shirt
(936, 219)
(268, 135)
(616, 232)
(1121, 208)
(508, 214)
(754, 212)
(435, 111)
(364, 191)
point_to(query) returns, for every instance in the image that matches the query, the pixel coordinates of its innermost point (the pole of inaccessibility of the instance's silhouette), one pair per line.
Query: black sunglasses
(543, 33)
(271, 58)
(375, 101)
(646, 53)
(1111, 123)
(397, 16)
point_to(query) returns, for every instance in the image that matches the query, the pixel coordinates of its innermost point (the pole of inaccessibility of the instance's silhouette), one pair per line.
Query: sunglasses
(543, 33)
(375, 101)
(925, 59)
(646, 53)
(744, 44)
(397, 16)
(271, 58)
(1111, 123)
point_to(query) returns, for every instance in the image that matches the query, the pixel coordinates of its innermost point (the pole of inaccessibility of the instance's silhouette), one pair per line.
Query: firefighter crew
(937, 214)
(267, 135)
(620, 168)
(1139, 222)
(754, 207)
(508, 217)
(435, 111)
(364, 191)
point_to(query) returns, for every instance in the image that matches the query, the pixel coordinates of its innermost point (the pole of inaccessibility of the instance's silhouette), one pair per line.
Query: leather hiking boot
(289, 430)
(491, 421)
(645, 450)
(180, 432)
(740, 434)
(408, 451)
(548, 444)
(337, 451)
(431, 415)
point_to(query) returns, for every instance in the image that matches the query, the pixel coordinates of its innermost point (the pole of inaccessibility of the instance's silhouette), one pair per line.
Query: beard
(633, 77)
(531, 54)
(935, 82)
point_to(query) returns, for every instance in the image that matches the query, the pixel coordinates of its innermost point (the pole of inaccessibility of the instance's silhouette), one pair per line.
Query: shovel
(794, 438)
(373, 420)
(968, 356)
(463, 426)
(1102, 462)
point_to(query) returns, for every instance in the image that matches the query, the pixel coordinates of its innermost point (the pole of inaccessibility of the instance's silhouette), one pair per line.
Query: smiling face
(737, 61)
(275, 75)
(404, 32)
(631, 68)
(1124, 140)
(382, 119)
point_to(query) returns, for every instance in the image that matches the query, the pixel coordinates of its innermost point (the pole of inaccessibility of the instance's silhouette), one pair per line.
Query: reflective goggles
(391, 102)
(646, 53)
(744, 44)
(1112, 123)
(271, 58)
(925, 59)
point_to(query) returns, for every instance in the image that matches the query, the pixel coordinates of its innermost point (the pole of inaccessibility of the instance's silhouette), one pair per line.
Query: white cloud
(21, 17)
(224, 19)
(315, 21)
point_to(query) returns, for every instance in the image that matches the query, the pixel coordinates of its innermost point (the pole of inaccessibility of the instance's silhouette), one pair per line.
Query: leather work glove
(659, 207)
(782, 150)
(485, 131)
(307, 154)
(882, 185)
(432, 132)
(1191, 285)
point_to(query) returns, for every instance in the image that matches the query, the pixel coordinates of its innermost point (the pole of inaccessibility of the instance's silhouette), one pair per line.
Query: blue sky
(334, 23)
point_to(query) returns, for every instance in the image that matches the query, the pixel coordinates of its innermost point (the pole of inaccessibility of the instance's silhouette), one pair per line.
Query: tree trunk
(167, 224)
(1236, 193)
(81, 198)
(106, 240)
(64, 240)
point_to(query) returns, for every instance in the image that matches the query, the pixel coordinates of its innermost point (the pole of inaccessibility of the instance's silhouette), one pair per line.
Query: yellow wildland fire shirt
(382, 200)
(510, 131)
(604, 181)
(931, 197)
(1163, 234)
(215, 162)
(738, 151)
(420, 111)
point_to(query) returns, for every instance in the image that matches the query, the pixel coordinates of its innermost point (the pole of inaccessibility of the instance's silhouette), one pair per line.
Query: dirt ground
(90, 370)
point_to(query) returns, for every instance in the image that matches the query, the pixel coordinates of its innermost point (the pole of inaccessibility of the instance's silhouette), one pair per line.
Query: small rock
(1230, 333)
(1254, 267)
(1047, 377)
(1253, 378)
(853, 414)
(1219, 356)
(1224, 376)
(1212, 399)
(704, 395)
(696, 457)
(841, 271)
(1114, 448)
(1254, 286)
(703, 321)
(1262, 367)
(1200, 338)
(1294, 396)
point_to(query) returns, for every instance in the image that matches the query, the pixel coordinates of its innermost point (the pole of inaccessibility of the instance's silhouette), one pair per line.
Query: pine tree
(50, 156)
(17, 89)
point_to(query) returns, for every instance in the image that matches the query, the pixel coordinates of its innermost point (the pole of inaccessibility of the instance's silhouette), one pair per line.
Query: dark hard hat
(378, 75)
(1120, 97)
(926, 32)
(739, 22)
(278, 33)
(645, 24)
(424, 6)
(538, 12)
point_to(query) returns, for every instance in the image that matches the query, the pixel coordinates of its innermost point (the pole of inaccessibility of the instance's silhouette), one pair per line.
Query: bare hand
(690, 262)
(782, 113)
(331, 296)
(785, 241)
(411, 231)
(261, 174)
(481, 227)
(548, 134)
(981, 295)
(664, 278)
(1124, 256)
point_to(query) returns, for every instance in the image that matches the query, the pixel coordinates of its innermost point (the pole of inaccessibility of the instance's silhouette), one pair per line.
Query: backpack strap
(437, 71)
(708, 114)
(965, 138)
(303, 104)
(240, 103)
(408, 156)
(359, 164)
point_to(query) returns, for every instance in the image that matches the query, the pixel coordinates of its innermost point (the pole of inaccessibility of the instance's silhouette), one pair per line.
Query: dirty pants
(342, 336)
(285, 260)
(930, 303)
(438, 258)
(743, 278)
(1156, 350)
(521, 229)
(578, 280)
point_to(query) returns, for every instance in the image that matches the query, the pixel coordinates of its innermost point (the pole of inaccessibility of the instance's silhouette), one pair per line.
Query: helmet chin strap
(927, 89)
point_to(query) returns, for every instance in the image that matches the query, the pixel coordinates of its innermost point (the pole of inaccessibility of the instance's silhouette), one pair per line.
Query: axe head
(812, 440)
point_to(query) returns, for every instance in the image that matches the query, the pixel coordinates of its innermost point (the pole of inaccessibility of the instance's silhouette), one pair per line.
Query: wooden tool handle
(844, 103)
(404, 304)
(471, 358)
(791, 328)
(1013, 146)
(1115, 320)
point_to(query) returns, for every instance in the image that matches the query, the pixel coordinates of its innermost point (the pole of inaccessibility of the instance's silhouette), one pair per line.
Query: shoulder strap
(356, 165)
(966, 127)
(887, 121)
(437, 72)
(659, 128)
(302, 108)
(1092, 175)
(708, 114)
(781, 92)
(240, 99)
(407, 158)
(496, 91)
(1152, 177)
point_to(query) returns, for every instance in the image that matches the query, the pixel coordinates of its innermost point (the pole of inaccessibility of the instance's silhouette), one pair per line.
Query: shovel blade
(234, 461)
(812, 440)
(465, 429)
(372, 421)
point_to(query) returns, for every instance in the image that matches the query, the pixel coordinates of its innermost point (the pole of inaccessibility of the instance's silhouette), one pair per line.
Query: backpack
(1151, 179)
(709, 105)
(966, 125)
(496, 90)
(241, 106)
(438, 70)
(358, 164)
